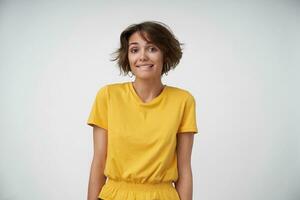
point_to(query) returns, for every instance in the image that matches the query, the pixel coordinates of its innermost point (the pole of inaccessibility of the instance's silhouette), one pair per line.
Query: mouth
(149, 66)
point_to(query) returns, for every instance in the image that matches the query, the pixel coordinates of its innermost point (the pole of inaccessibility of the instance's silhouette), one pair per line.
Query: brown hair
(159, 34)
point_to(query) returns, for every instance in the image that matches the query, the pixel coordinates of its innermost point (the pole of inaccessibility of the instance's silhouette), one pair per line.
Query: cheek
(159, 59)
(131, 59)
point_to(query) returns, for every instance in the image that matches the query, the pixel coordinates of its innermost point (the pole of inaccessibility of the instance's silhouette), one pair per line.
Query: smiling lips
(149, 66)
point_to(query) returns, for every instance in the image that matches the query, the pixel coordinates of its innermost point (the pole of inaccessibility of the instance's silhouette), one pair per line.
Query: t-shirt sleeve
(98, 114)
(189, 121)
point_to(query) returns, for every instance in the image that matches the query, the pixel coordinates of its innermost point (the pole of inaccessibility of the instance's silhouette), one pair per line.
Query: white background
(241, 63)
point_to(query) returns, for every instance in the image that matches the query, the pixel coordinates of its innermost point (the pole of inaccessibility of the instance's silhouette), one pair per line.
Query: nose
(143, 55)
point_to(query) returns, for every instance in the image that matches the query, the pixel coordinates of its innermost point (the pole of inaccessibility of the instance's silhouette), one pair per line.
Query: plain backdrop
(240, 62)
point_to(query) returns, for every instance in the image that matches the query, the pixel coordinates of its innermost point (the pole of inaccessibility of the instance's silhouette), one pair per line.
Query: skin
(97, 178)
(141, 55)
(184, 184)
(148, 85)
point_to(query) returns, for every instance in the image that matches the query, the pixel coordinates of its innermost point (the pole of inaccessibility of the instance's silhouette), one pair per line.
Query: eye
(133, 50)
(152, 49)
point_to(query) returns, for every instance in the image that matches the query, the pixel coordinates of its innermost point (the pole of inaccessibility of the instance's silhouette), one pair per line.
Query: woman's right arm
(97, 178)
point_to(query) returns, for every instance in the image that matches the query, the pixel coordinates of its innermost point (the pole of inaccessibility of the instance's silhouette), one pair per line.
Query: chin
(145, 76)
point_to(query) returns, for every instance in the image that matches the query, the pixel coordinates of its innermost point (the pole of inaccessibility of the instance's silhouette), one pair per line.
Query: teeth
(145, 65)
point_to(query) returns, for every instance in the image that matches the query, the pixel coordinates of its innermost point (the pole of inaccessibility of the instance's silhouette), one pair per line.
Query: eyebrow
(148, 43)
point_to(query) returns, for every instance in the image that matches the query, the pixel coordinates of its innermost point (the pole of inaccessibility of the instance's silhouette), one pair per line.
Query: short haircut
(160, 35)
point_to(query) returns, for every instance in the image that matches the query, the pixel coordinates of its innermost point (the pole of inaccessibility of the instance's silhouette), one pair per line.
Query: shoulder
(112, 88)
(180, 92)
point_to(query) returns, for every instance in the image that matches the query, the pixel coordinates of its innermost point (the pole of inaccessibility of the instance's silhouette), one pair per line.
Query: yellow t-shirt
(141, 146)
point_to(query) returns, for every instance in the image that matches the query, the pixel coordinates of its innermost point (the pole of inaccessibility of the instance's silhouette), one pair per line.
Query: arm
(184, 184)
(97, 178)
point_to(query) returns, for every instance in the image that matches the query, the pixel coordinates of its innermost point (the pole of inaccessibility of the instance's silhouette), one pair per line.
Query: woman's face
(145, 59)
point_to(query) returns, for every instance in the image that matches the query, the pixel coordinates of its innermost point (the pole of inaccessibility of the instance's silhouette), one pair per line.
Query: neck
(148, 89)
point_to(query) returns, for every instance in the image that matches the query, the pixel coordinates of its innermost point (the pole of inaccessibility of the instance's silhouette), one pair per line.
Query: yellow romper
(141, 161)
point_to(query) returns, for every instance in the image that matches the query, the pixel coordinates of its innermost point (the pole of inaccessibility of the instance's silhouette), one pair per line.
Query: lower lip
(145, 68)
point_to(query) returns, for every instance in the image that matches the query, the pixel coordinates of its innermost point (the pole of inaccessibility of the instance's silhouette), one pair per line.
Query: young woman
(143, 130)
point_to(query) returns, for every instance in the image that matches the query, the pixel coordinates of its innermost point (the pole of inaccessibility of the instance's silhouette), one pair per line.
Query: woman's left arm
(184, 184)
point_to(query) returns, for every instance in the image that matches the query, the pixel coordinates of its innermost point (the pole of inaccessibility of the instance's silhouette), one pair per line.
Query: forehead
(139, 38)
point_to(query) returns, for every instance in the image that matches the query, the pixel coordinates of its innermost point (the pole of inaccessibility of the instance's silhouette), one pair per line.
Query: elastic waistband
(138, 186)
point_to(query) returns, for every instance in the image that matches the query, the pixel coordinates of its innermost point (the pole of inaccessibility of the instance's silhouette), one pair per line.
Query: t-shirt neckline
(153, 101)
